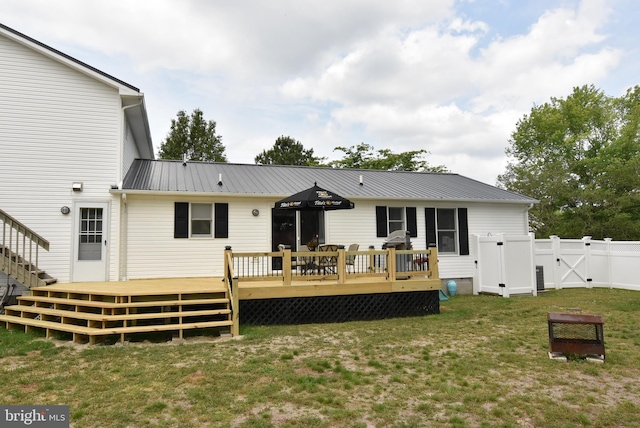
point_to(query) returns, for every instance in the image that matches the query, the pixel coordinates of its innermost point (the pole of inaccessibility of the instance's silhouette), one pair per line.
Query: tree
(194, 137)
(580, 157)
(288, 151)
(363, 156)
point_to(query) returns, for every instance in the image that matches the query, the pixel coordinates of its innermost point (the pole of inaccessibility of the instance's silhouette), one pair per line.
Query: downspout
(122, 255)
(526, 217)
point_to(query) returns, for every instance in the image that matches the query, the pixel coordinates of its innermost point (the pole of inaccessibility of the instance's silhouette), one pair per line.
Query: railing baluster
(18, 262)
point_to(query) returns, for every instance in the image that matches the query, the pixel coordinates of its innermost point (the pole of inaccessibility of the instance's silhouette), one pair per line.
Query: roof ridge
(301, 166)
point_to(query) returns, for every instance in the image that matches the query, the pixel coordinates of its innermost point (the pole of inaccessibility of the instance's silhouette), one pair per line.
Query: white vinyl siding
(152, 251)
(130, 149)
(57, 126)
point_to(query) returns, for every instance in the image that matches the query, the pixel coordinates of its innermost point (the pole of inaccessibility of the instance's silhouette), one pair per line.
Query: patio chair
(351, 259)
(328, 263)
(305, 263)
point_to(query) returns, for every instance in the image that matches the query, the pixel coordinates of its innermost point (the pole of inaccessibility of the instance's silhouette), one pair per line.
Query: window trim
(208, 219)
(439, 231)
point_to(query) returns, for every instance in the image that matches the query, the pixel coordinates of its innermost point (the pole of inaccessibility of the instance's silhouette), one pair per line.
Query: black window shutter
(412, 222)
(222, 221)
(463, 231)
(181, 220)
(381, 222)
(430, 220)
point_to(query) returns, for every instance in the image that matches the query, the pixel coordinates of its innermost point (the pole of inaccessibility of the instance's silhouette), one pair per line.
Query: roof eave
(139, 122)
(272, 196)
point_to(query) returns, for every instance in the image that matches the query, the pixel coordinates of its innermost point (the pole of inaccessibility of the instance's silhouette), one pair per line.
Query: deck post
(391, 263)
(235, 303)
(232, 286)
(228, 258)
(433, 272)
(342, 265)
(286, 264)
(372, 259)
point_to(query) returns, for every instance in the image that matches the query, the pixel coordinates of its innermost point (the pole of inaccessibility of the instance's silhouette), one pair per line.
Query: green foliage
(194, 137)
(580, 157)
(363, 156)
(288, 151)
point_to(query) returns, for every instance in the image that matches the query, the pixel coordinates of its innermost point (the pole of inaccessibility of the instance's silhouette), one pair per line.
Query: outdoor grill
(400, 240)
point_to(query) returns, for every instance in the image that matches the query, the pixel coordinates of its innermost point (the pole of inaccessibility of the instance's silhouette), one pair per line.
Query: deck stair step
(102, 304)
(93, 315)
(23, 311)
(71, 328)
(81, 332)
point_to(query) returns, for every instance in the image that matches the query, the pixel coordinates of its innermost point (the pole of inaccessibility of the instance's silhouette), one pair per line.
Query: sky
(451, 77)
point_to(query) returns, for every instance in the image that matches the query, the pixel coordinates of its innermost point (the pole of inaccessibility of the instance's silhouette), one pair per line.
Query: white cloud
(403, 75)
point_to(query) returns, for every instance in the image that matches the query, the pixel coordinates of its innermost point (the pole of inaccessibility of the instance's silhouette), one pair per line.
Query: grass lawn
(482, 362)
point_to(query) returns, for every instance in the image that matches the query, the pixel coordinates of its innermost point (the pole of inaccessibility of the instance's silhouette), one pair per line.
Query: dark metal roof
(161, 176)
(70, 58)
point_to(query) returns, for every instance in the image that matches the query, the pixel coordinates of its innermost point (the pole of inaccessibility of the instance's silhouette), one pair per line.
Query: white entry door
(90, 247)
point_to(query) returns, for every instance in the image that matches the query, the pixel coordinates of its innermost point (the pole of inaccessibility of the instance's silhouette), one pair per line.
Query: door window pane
(90, 238)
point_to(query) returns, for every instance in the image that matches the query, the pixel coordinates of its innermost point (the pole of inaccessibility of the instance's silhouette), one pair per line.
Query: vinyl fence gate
(504, 265)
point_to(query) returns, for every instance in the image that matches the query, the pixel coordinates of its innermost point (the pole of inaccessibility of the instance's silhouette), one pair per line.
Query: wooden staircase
(95, 315)
(19, 251)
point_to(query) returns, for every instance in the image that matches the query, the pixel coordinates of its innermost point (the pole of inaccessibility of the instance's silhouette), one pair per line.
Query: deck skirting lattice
(342, 308)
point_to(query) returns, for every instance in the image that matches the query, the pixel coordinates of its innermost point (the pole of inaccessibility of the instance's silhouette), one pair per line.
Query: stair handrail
(27, 233)
(21, 228)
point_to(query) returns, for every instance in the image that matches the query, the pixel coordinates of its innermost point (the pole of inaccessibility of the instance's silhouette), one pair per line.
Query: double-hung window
(447, 231)
(201, 220)
(396, 219)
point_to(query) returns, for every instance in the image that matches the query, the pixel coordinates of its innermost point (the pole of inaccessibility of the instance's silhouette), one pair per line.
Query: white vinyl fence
(508, 265)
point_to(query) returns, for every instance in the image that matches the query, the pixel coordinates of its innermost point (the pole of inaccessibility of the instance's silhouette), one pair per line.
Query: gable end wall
(57, 126)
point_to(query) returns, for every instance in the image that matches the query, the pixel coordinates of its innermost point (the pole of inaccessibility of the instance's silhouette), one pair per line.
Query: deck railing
(341, 265)
(19, 251)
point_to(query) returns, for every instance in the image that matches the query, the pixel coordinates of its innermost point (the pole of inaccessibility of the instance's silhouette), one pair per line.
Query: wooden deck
(97, 310)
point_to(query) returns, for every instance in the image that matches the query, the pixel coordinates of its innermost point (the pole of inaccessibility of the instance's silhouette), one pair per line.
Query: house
(68, 134)
(180, 216)
(78, 171)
